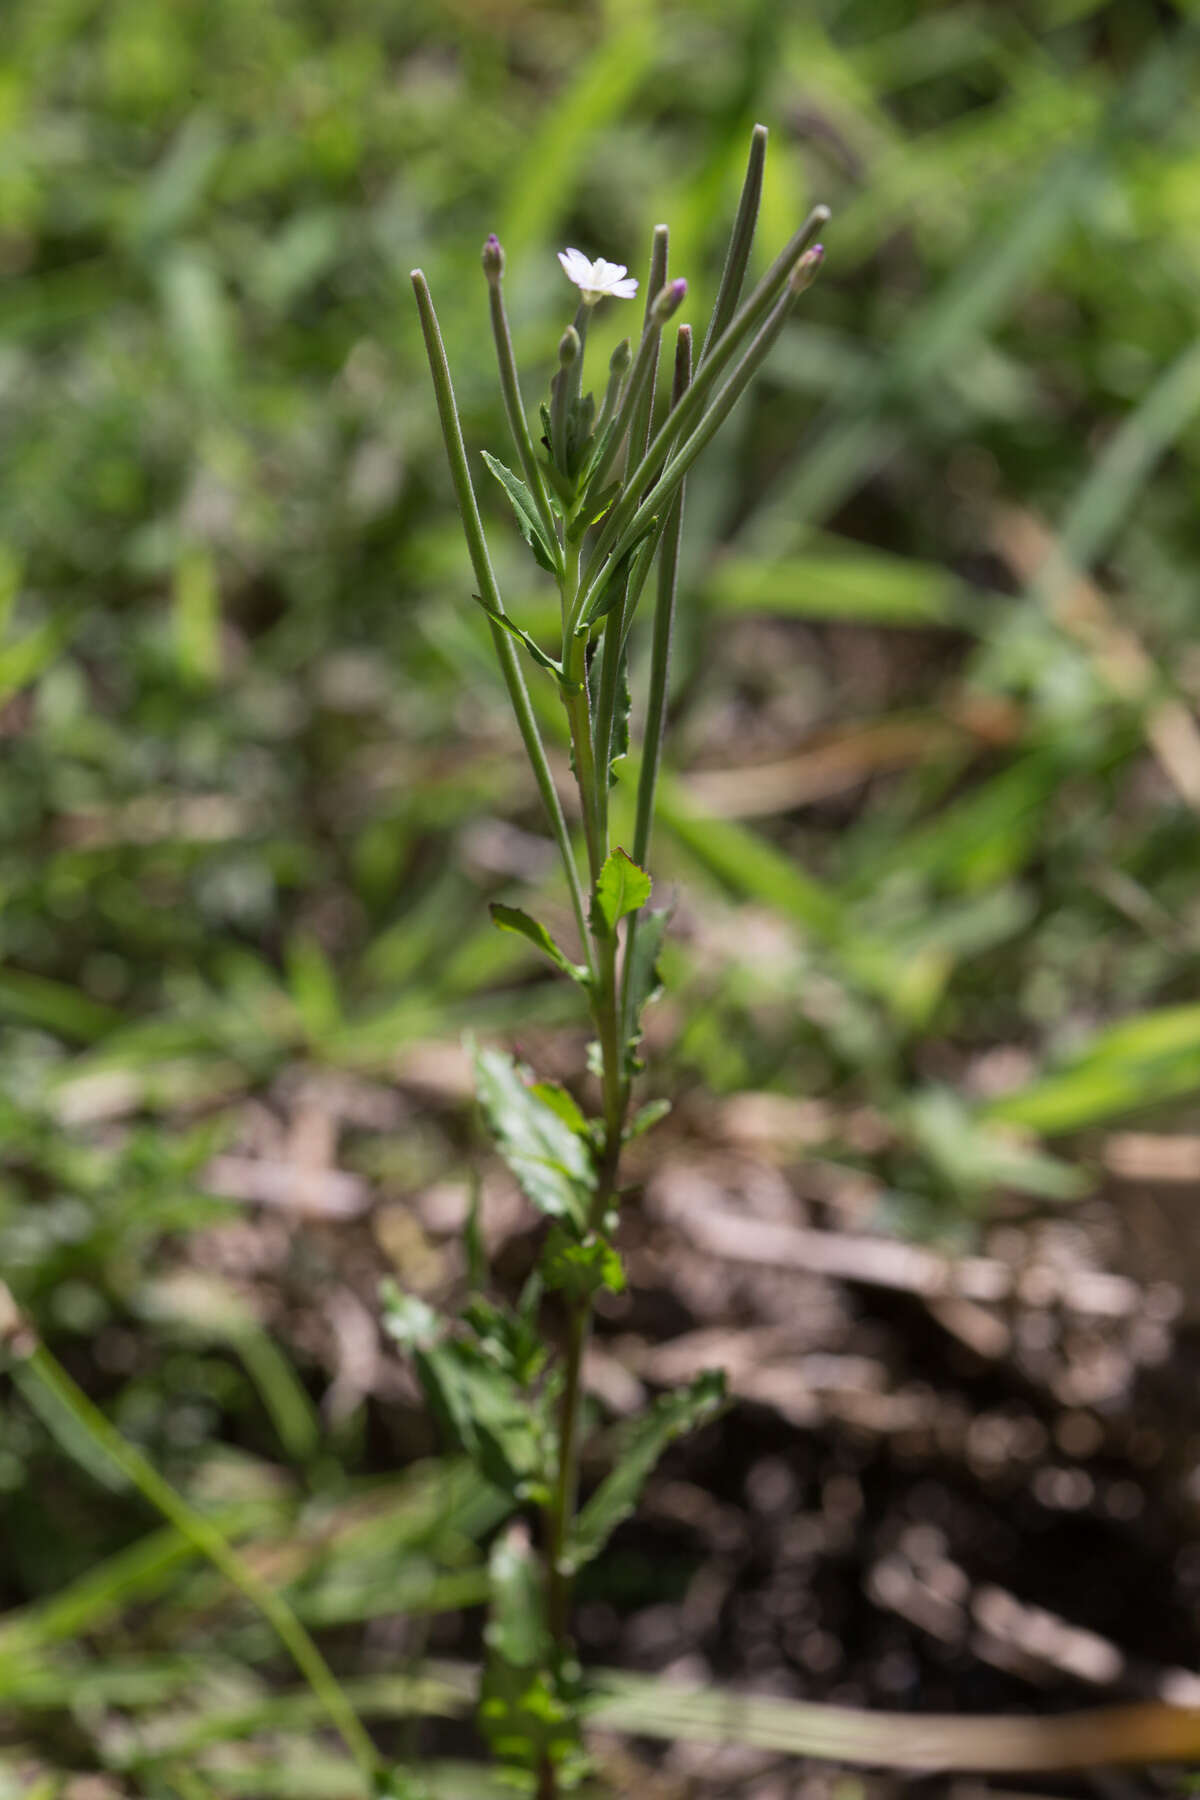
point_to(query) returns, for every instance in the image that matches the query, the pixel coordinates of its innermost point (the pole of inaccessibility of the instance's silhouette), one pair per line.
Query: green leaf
(552, 1163)
(512, 918)
(530, 1696)
(974, 1156)
(1141, 1061)
(508, 1338)
(486, 1414)
(593, 507)
(22, 661)
(406, 1318)
(647, 1116)
(580, 1270)
(619, 746)
(477, 1258)
(514, 630)
(621, 887)
(645, 979)
(565, 1105)
(517, 1629)
(312, 983)
(523, 505)
(581, 414)
(614, 1500)
(621, 571)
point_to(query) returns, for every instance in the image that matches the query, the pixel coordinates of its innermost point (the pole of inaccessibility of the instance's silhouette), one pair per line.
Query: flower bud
(668, 301)
(619, 361)
(805, 271)
(569, 346)
(493, 258)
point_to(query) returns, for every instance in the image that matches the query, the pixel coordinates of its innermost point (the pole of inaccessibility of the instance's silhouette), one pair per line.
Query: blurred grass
(257, 778)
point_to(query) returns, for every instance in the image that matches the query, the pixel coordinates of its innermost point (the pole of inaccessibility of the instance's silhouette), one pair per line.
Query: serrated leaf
(524, 507)
(614, 1500)
(552, 1163)
(578, 1269)
(512, 918)
(646, 1117)
(621, 887)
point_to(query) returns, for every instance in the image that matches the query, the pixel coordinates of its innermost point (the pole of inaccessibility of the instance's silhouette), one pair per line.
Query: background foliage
(934, 812)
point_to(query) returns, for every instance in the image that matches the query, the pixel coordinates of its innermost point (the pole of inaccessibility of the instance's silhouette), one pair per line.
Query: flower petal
(577, 266)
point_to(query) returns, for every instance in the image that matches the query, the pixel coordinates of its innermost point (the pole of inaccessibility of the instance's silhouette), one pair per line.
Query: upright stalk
(568, 1165)
(481, 562)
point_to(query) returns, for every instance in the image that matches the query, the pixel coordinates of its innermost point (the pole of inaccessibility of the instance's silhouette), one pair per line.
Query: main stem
(591, 777)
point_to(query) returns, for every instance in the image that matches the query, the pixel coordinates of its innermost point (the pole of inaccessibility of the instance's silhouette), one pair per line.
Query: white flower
(596, 279)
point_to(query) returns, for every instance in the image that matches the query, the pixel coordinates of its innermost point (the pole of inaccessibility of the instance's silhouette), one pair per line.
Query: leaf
(23, 660)
(581, 413)
(645, 980)
(619, 744)
(1140, 1061)
(621, 569)
(974, 1156)
(523, 505)
(565, 1105)
(476, 1249)
(517, 1629)
(529, 1701)
(593, 507)
(671, 1417)
(621, 887)
(646, 1117)
(486, 1414)
(512, 918)
(508, 1338)
(580, 1270)
(534, 648)
(552, 1163)
(408, 1320)
(312, 983)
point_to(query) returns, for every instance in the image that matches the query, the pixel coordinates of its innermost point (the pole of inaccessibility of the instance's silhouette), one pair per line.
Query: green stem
(660, 659)
(616, 626)
(633, 419)
(481, 562)
(740, 240)
(35, 1368)
(748, 317)
(514, 407)
(723, 403)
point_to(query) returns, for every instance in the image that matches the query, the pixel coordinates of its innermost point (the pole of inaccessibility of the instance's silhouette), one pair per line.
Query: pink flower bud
(669, 301)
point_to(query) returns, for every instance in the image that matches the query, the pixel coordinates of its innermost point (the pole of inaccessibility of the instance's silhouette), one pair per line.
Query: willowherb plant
(599, 500)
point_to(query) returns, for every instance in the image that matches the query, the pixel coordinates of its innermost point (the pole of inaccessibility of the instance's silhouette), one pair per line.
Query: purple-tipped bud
(493, 258)
(569, 347)
(621, 358)
(805, 271)
(668, 301)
